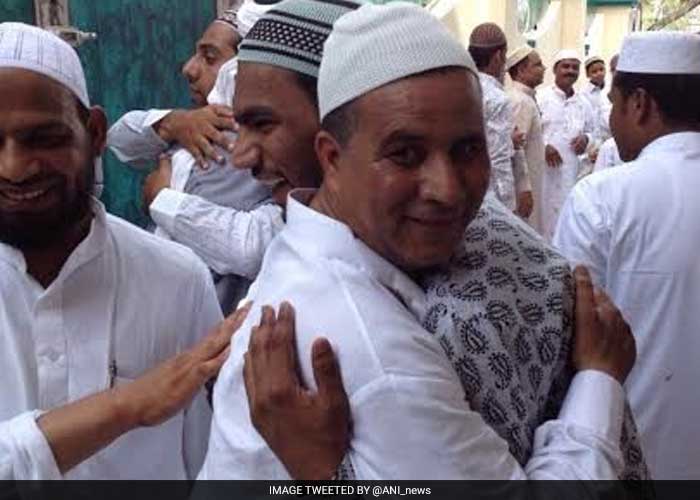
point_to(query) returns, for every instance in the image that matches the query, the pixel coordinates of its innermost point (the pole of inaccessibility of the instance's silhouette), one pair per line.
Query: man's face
(623, 125)
(532, 73)
(47, 155)
(216, 46)
(277, 125)
(415, 170)
(596, 74)
(566, 73)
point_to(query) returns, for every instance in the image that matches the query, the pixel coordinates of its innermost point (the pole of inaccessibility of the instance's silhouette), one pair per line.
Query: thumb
(326, 370)
(585, 298)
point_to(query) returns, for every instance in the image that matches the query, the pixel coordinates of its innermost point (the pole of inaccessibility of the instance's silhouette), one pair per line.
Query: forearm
(520, 172)
(134, 140)
(78, 430)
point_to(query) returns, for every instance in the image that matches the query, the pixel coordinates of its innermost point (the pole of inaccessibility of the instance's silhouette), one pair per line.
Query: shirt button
(53, 356)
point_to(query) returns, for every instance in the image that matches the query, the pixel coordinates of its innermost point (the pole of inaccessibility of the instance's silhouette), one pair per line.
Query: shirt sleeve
(520, 172)
(581, 234)
(440, 437)
(134, 141)
(229, 241)
(197, 416)
(24, 452)
(499, 128)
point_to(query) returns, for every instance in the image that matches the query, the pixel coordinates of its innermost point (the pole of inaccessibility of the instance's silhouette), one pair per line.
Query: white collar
(88, 249)
(490, 79)
(677, 142)
(525, 89)
(561, 94)
(331, 239)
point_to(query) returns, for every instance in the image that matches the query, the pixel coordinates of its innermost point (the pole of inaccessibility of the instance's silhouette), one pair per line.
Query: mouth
(27, 198)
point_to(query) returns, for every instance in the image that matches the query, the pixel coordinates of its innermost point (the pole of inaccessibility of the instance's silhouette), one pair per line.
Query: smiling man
(88, 302)
(568, 126)
(403, 175)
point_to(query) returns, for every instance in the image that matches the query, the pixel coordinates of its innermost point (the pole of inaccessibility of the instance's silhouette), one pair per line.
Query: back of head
(645, 62)
(484, 42)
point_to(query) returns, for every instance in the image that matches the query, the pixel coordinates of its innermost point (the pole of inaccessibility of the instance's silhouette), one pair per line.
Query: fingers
(210, 369)
(164, 161)
(220, 338)
(207, 150)
(221, 110)
(326, 371)
(585, 300)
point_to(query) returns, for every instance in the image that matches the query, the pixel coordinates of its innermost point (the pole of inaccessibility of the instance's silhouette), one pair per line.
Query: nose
(246, 152)
(443, 182)
(15, 165)
(191, 69)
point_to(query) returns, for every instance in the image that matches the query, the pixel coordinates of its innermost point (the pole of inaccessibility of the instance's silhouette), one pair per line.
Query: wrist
(166, 127)
(124, 407)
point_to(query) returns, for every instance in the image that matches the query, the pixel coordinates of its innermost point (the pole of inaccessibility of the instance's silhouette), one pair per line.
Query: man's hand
(518, 138)
(552, 156)
(156, 181)
(579, 144)
(524, 204)
(80, 429)
(198, 131)
(309, 432)
(593, 155)
(604, 341)
(159, 394)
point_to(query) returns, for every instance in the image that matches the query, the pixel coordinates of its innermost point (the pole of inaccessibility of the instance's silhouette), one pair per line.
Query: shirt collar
(679, 141)
(89, 248)
(524, 88)
(330, 239)
(561, 94)
(490, 80)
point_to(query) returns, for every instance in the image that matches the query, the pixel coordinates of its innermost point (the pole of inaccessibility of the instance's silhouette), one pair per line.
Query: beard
(35, 231)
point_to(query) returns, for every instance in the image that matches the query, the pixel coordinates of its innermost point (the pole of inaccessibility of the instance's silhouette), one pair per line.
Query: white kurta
(608, 156)
(410, 418)
(563, 119)
(526, 115)
(498, 121)
(637, 228)
(123, 296)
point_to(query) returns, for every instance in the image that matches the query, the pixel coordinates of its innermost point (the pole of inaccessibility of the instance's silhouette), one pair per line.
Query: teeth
(25, 196)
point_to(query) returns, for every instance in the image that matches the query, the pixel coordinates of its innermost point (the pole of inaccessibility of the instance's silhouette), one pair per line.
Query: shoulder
(150, 254)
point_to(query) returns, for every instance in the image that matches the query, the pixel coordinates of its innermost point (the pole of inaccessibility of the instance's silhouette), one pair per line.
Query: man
(527, 73)
(636, 227)
(608, 156)
(568, 127)
(597, 98)
(88, 302)
(209, 209)
(509, 177)
(411, 217)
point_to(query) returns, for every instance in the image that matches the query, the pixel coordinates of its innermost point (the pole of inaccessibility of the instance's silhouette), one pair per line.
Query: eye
(469, 150)
(406, 156)
(48, 140)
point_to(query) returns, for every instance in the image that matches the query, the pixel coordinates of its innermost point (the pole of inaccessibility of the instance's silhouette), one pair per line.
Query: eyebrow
(247, 115)
(207, 46)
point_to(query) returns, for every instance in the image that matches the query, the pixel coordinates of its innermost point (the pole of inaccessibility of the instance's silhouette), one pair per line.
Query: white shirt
(637, 229)
(498, 120)
(601, 106)
(526, 115)
(563, 119)
(410, 418)
(125, 296)
(134, 141)
(608, 156)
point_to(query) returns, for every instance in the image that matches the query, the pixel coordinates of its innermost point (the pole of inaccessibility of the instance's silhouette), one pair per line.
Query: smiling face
(415, 168)
(566, 73)
(47, 152)
(277, 124)
(217, 45)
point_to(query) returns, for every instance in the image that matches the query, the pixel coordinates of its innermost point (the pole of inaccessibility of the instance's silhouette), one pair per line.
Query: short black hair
(513, 71)
(309, 85)
(341, 123)
(482, 56)
(677, 96)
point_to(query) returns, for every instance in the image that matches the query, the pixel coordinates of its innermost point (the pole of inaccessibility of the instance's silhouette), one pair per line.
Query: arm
(47, 446)
(229, 241)
(134, 140)
(582, 443)
(581, 234)
(523, 186)
(499, 126)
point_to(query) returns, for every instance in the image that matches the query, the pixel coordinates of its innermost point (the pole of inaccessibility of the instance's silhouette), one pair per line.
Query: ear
(97, 127)
(644, 106)
(328, 152)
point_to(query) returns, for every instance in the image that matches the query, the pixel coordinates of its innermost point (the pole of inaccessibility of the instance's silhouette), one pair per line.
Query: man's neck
(569, 91)
(45, 264)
